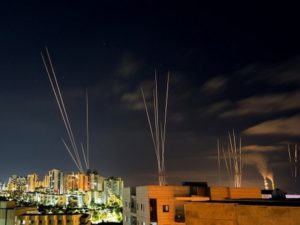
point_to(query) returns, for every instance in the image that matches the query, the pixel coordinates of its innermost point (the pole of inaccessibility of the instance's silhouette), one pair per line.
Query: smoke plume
(261, 163)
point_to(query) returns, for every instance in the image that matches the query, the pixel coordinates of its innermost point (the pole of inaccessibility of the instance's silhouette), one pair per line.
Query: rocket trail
(73, 152)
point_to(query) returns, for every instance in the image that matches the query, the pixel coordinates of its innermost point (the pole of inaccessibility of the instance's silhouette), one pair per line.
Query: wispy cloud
(264, 104)
(132, 100)
(275, 74)
(284, 73)
(176, 117)
(214, 85)
(262, 148)
(283, 126)
(217, 107)
(128, 66)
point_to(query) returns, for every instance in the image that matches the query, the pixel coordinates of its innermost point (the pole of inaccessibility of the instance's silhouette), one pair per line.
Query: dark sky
(232, 66)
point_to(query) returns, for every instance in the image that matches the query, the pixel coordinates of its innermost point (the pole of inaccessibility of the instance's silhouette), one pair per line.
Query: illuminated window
(165, 208)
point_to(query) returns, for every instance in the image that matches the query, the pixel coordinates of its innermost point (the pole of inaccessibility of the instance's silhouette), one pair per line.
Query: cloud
(260, 162)
(216, 107)
(262, 148)
(214, 85)
(283, 126)
(177, 117)
(128, 66)
(285, 73)
(133, 99)
(263, 104)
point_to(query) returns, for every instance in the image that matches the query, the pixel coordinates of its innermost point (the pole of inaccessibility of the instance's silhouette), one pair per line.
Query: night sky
(232, 66)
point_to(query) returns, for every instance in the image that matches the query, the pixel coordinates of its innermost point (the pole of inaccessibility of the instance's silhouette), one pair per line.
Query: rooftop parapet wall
(221, 193)
(235, 214)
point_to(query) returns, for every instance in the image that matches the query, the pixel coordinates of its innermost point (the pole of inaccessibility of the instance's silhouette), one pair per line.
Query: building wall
(174, 198)
(31, 182)
(127, 206)
(113, 185)
(7, 213)
(165, 197)
(221, 193)
(235, 214)
(142, 205)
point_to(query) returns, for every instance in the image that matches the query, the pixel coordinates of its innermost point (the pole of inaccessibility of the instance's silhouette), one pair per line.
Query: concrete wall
(235, 214)
(126, 206)
(7, 213)
(164, 195)
(221, 193)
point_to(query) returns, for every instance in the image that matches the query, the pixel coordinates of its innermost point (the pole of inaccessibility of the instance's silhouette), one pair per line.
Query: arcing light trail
(293, 160)
(232, 158)
(72, 147)
(158, 129)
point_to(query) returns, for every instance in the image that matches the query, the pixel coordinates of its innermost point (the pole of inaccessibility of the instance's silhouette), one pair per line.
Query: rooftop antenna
(157, 126)
(72, 149)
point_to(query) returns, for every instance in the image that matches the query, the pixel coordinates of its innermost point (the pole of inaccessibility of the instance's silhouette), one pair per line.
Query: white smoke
(261, 163)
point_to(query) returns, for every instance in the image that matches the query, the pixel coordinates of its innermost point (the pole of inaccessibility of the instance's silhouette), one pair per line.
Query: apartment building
(155, 205)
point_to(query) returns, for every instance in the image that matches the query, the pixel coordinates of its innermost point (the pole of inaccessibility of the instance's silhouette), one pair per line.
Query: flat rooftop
(266, 202)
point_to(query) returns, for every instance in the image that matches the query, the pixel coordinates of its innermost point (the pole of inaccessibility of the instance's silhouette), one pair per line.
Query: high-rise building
(70, 181)
(2, 186)
(83, 182)
(17, 183)
(96, 182)
(32, 182)
(56, 178)
(113, 186)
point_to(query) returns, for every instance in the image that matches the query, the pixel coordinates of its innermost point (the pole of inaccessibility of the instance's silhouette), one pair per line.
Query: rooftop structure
(155, 205)
(159, 204)
(243, 212)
